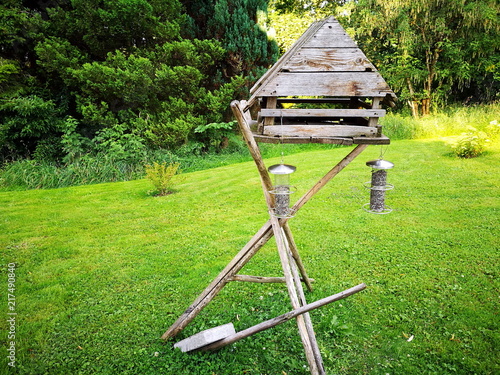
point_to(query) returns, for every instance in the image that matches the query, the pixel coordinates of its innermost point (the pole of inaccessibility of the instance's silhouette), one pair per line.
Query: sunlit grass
(445, 123)
(104, 270)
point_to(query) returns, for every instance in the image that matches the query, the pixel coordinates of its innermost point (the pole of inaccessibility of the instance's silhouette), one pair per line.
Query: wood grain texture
(328, 59)
(319, 131)
(365, 84)
(296, 112)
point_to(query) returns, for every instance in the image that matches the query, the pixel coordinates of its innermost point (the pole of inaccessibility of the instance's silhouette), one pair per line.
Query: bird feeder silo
(378, 186)
(282, 188)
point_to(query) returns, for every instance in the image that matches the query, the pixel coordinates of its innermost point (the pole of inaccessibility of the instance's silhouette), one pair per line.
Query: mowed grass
(103, 270)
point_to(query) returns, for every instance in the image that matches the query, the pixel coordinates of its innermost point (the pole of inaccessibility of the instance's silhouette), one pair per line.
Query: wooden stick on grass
(283, 318)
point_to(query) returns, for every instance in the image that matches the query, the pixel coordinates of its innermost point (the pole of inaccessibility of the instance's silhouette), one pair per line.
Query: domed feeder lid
(281, 169)
(380, 164)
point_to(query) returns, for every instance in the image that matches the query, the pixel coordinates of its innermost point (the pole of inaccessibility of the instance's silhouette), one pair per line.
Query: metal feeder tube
(282, 189)
(378, 186)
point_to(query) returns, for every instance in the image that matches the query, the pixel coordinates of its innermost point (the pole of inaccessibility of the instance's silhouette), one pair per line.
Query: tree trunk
(412, 102)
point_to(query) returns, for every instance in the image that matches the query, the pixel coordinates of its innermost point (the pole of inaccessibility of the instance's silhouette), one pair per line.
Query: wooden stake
(307, 341)
(296, 255)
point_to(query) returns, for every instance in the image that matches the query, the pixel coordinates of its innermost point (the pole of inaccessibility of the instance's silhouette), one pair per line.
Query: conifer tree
(240, 25)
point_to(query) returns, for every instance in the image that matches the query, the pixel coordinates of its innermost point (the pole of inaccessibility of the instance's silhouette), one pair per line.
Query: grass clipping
(161, 176)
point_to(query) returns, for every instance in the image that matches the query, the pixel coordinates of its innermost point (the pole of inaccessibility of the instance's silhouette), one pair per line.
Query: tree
(241, 27)
(112, 76)
(430, 48)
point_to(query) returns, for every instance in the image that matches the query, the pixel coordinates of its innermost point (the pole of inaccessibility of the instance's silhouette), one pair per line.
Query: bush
(160, 175)
(470, 144)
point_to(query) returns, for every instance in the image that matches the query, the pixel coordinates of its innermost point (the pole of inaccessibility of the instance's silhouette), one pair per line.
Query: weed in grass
(161, 175)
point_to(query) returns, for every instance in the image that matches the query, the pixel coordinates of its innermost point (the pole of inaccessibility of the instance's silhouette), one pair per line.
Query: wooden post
(308, 342)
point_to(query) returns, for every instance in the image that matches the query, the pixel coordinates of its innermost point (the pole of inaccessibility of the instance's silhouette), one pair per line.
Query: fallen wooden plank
(319, 130)
(283, 318)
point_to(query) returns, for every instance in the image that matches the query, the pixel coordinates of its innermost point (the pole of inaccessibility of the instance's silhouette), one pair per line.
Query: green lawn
(103, 270)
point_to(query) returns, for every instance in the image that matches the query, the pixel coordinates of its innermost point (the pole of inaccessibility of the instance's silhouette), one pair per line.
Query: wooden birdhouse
(322, 90)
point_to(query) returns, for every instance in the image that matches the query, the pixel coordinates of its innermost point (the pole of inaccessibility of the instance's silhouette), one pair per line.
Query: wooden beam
(263, 279)
(308, 342)
(319, 131)
(296, 112)
(364, 84)
(296, 255)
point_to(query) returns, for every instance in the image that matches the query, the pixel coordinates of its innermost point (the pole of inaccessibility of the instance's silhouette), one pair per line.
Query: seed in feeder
(282, 200)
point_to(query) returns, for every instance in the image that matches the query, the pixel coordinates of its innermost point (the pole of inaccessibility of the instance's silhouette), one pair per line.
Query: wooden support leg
(245, 254)
(250, 249)
(307, 341)
(296, 255)
(303, 302)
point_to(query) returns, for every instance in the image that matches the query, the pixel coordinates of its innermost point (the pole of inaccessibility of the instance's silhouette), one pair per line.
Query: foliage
(429, 49)
(26, 122)
(470, 144)
(288, 27)
(160, 175)
(314, 8)
(103, 270)
(107, 76)
(39, 174)
(215, 135)
(242, 28)
(446, 123)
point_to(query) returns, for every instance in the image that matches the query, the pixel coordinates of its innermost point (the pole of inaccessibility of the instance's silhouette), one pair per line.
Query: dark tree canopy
(121, 76)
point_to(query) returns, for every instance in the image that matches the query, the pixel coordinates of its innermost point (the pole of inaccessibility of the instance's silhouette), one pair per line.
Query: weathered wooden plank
(319, 130)
(365, 84)
(328, 59)
(303, 140)
(330, 35)
(265, 279)
(295, 47)
(341, 113)
(283, 318)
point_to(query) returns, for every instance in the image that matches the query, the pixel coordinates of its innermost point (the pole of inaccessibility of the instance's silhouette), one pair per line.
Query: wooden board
(341, 113)
(332, 36)
(328, 59)
(320, 131)
(366, 84)
(293, 49)
(303, 140)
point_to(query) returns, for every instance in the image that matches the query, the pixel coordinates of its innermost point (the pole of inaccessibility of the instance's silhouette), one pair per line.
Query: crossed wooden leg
(290, 259)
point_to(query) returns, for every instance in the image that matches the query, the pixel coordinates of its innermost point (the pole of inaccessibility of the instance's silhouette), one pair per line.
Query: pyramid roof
(323, 62)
